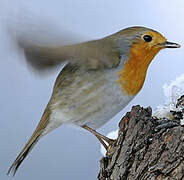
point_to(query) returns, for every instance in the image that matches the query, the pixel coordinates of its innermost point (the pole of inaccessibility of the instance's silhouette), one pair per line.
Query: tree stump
(142, 153)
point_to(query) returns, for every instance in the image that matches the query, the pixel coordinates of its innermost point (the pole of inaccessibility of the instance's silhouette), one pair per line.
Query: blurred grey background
(71, 153)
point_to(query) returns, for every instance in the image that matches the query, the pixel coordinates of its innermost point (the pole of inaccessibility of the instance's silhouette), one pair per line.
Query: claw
(110, 149)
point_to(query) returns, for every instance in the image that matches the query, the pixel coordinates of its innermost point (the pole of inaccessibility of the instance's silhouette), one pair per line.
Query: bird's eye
(147, 38)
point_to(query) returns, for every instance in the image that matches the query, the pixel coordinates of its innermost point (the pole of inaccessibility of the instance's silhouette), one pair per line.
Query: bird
(99, 78)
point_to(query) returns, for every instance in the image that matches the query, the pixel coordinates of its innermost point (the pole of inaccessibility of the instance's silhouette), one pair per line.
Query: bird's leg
(100, 137)
(102, 142)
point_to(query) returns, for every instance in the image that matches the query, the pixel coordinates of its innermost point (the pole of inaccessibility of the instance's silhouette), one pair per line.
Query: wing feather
(92, 55)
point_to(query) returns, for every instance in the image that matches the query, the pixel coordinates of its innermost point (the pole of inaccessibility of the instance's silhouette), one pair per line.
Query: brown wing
(93, 55)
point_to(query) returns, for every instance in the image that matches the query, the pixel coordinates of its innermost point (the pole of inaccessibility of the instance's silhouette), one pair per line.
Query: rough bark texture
(142, 153)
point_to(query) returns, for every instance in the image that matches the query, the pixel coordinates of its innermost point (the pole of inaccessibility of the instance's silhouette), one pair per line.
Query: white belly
(92, 104)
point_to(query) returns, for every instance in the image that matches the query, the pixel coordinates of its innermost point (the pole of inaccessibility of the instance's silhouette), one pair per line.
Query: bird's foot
(105, 141)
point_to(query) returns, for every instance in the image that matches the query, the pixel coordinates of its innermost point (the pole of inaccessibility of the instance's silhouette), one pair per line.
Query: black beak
(168, 44)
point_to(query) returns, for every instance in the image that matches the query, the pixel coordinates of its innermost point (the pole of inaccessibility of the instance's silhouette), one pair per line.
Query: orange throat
(132, 76)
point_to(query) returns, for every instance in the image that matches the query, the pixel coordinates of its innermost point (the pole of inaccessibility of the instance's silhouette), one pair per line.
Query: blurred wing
(92, 55)
(38, 37)
(42, 59)
(32, 30)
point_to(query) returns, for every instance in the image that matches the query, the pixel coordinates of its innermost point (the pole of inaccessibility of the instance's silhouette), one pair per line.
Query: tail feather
(38, 133)
(25, 151)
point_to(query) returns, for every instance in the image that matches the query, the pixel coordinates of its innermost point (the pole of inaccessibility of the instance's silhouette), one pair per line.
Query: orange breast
(133, 74)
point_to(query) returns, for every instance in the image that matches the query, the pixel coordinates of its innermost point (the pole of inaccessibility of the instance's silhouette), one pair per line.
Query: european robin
(99, 79)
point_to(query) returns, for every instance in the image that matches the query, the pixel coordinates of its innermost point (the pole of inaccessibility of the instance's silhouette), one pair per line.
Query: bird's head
(144, 40)
(139, 45)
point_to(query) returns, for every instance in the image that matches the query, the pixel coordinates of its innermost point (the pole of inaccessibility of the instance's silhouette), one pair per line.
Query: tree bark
(142, 153)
